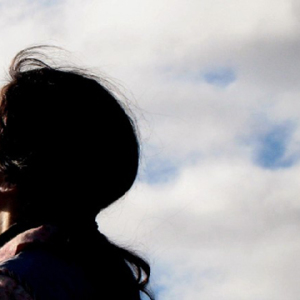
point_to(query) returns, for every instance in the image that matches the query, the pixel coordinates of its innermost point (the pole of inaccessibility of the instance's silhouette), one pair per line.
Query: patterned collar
(42, 234)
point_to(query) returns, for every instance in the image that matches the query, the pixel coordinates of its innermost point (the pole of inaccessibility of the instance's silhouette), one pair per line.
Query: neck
(6, 220)
(8, 209)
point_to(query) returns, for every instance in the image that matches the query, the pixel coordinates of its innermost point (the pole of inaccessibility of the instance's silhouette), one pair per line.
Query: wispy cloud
(207, 206)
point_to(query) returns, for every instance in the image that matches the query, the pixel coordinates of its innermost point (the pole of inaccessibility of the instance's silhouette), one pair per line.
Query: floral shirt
(10, 287)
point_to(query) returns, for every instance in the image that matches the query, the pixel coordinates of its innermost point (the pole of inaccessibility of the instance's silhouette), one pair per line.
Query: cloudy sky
(215, 87)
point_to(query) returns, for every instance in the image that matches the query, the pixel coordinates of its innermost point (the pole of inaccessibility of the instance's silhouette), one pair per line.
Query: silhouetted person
(68, 149)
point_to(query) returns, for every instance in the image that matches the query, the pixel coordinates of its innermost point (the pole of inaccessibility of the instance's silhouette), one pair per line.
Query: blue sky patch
(49, 2)
(221, 77)
(271, 148)
(158, 170)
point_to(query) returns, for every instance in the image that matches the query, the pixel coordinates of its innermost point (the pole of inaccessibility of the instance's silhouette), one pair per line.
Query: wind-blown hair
(69, 147)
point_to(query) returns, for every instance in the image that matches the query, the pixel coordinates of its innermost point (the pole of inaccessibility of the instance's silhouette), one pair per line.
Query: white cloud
(231, 228)
(220, 227)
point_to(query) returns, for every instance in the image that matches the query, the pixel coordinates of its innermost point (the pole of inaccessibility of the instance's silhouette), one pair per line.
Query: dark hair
(63, 129)
(67, 145)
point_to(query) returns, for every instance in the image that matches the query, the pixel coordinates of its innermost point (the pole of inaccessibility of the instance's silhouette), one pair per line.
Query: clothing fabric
(47, 262)
(31, 269)
(10, 288)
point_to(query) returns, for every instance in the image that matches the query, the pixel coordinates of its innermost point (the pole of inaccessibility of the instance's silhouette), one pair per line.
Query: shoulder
(48, 275)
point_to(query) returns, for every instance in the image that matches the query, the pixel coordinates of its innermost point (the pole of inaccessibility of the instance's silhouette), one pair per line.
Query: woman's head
(66, 143)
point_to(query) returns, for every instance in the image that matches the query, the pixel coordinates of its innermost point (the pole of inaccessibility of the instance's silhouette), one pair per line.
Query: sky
(215, 89)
